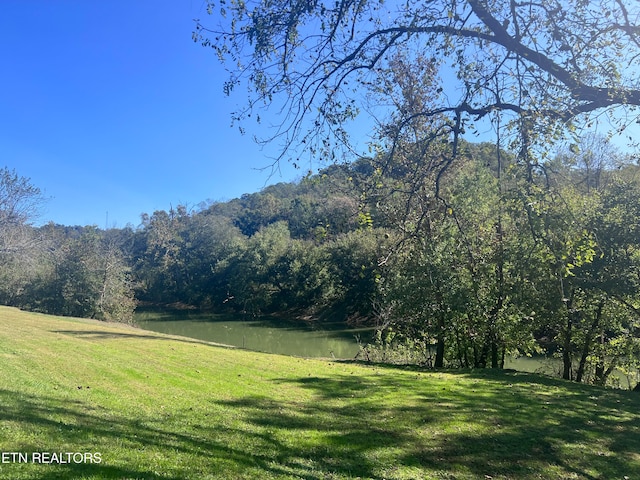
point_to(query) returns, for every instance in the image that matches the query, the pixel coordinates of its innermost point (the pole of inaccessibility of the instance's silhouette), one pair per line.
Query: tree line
(498, 257)
(459, 267)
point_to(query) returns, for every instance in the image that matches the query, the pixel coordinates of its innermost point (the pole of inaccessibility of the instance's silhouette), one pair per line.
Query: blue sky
(112, 110)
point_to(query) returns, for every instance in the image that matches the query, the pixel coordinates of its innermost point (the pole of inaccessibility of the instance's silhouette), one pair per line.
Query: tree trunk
(439, 363)
(567, 336)
(494, 354)
(566, 365)
(586, 349)
(567, 372)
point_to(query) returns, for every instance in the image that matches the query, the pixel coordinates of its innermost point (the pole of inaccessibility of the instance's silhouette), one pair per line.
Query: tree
(20, 243)
(19, 204)
(425, 73)
(547, 66)
(456, 278)
(354, 261)
(164, 273)
(89, 279)
(582, 274)
(258, 274)
(260, 210)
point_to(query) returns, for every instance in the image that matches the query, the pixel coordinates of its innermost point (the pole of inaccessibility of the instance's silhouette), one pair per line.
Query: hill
(145, 405)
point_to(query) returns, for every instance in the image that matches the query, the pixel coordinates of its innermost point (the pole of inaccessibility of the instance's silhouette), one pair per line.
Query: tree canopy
(550, 67)
(488, 264)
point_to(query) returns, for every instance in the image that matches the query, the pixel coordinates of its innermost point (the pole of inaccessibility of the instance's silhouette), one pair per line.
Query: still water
(262, 334)
(267, 334)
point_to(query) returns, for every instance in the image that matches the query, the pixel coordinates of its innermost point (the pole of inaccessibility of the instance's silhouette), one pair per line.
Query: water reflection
(271, 335)
(263, 334)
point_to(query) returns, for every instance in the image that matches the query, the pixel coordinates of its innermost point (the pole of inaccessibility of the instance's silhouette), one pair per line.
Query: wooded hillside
(461, 265)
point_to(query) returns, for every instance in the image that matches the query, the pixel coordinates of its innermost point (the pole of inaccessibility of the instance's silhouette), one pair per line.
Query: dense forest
(460, 266)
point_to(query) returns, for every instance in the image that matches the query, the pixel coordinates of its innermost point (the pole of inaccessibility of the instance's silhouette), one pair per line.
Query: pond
(262, 334)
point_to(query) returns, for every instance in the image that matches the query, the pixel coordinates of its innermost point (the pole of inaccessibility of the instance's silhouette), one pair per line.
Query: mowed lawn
(159, 407)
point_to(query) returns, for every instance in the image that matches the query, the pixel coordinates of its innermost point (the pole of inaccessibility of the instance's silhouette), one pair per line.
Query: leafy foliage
(548, 68)
(79, 272)
(492, 252)
(456, 267)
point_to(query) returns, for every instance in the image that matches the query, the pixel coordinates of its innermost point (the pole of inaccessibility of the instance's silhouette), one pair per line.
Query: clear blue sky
(109, 106)
(112, 110)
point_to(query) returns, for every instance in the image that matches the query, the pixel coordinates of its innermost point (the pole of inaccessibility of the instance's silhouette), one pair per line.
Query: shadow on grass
(130, 446)
(377, 425)
(481, 423)
(105, 335)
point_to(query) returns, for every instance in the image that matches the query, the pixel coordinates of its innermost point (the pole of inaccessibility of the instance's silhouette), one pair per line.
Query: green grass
(157, 407)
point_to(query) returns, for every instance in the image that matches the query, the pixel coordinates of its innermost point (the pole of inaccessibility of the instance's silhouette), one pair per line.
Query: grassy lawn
(157, 407)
